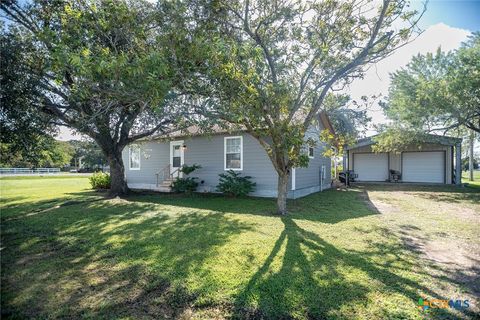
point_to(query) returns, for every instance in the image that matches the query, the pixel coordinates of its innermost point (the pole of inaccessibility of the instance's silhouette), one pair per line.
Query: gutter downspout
(294, 182)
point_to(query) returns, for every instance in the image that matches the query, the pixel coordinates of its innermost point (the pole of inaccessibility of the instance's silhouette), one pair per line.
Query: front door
(176, 157)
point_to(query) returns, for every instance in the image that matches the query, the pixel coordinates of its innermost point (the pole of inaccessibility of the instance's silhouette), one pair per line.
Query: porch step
(162, 188)
(165, 186)
(167, 183)
(153, 187)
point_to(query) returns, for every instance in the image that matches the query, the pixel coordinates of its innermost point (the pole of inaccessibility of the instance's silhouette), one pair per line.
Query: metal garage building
(436, 160)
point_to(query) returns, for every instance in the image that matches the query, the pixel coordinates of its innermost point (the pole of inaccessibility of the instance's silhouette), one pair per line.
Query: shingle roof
(196, 130)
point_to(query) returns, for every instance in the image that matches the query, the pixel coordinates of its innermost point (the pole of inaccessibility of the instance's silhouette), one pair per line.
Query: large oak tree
(274, 63)
(105, 68)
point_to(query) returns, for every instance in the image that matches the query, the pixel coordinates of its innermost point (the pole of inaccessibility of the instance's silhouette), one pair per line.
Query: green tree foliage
(396, 139)
(466, 164)
(273, 63)
(105, 68)
(46, 153)
(24, 130)
(348, 118)
(89, 153)
(435, 93)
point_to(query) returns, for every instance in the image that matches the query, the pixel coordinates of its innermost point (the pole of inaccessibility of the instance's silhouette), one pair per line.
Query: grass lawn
(367, 253)
(476, 178)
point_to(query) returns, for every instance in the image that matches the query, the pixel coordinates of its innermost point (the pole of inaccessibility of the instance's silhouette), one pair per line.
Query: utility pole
(470, 156)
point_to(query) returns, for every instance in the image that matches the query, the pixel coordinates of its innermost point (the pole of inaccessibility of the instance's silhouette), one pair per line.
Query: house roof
(195, 130)
(427, 138)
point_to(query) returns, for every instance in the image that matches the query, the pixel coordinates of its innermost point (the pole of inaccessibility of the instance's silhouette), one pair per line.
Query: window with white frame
(233, 150)
(134, 158)
(311, 152)
(308, 150)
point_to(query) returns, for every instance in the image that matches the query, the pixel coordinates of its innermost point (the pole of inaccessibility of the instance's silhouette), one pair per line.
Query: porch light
(184, 147)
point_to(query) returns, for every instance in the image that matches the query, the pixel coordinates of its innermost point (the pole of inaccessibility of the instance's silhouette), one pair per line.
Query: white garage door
(371, 166)
(423, 167)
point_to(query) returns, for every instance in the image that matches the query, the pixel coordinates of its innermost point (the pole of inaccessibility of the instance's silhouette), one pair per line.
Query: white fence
(28, 170)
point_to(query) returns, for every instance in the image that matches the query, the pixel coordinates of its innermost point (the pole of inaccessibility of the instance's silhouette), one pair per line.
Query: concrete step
(152, 187)
(163, 189)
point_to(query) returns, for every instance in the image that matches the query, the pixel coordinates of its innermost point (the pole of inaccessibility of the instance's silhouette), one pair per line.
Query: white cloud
(377, 79)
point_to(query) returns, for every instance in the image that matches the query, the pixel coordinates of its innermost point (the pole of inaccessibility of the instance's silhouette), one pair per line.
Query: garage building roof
(427, 138)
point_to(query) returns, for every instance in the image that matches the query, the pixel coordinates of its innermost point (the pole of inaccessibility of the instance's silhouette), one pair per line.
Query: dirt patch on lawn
(450, 253)
(377, 205)
(455, 261)
(452, 261)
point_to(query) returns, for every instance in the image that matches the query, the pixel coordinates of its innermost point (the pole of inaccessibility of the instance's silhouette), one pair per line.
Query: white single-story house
(153, 164)
(436, 160)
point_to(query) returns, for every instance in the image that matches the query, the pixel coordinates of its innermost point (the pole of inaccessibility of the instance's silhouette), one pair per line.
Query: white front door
(176, 157)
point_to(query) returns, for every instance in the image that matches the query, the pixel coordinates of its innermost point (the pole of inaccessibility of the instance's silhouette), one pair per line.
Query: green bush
(100, 180)
(189, 169)
(232, 184)
(185, 185)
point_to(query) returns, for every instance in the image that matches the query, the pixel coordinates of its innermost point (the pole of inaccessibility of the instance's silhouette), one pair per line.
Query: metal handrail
(177, 171)
(163, 172)
(166, 174)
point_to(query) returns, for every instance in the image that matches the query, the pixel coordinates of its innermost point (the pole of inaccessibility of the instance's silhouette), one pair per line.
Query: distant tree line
(50, 153)
(45, 153)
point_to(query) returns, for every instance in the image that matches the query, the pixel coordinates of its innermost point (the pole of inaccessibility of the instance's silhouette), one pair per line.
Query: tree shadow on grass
(459, 197)
(18, 207)
(330, 206)
(315, 281)
(108, 259)
(131, 258)
(12, 199)
(443, 193)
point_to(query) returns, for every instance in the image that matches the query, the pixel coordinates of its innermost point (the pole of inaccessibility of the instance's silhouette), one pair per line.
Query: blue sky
(455, 13)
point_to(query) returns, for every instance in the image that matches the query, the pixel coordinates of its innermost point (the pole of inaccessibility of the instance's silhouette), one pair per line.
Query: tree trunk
(282, 193)
(470, 156)
(118, 186)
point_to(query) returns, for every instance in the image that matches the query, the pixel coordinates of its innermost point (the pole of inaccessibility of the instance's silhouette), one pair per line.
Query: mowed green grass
(66, 252)
(476, 178)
